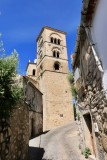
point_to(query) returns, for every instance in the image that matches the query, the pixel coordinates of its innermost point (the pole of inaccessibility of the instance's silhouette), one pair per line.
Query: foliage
(78, 116)
(70, 78)
(87, 152)
(74, 92)
(10, 91)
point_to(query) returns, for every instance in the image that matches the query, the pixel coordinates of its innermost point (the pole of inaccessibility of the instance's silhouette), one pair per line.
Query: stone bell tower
(52, 70)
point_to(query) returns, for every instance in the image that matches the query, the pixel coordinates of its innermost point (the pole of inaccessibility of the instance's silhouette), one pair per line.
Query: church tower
(51, 77)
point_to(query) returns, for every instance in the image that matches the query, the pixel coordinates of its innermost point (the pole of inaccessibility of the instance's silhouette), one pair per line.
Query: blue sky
(22, 20)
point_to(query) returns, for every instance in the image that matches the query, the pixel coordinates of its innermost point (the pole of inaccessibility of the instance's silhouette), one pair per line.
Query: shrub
(87, 152)
(10, 91)
(74, 92)
(70, 78)
(78, 116)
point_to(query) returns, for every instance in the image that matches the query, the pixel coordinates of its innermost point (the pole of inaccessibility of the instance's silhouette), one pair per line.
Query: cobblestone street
(58, 144)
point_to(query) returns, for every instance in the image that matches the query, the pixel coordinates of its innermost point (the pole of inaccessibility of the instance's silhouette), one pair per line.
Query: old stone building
(24, 123)
(33, 98)
(89, 65)
(50, 71)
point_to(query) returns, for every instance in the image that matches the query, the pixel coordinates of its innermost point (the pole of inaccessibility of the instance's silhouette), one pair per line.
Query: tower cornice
(49, 28)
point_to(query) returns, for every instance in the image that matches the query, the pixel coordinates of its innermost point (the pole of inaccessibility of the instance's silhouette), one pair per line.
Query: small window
(57, 54)
(55, 40)
(54, 53)
(51, 39)
(61, 115)
(56, 66)
(59, 42)
(34, 72)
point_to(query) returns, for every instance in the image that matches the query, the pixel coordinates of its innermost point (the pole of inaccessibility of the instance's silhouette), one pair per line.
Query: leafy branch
(10, 90)
(73, 88)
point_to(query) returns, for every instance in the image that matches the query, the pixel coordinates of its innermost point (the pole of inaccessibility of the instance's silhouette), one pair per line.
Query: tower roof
(49, 28)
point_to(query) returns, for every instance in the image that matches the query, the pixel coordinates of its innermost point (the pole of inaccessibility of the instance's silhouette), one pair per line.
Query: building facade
(89, 65)
(50, 75)
(33, 98)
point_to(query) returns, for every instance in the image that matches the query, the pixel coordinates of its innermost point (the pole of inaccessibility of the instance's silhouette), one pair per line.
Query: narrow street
(58, 144)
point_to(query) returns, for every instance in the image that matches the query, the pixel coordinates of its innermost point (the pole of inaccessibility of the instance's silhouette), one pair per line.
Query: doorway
(89, 140)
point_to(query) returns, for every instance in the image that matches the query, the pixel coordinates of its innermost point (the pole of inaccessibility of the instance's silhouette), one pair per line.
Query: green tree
(2, 51)
(10, 90)
(71, 81)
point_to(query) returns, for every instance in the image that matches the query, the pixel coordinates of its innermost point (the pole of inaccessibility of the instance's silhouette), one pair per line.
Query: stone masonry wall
(57, 109)
(14, 137)
(34, 100)
(94, 99)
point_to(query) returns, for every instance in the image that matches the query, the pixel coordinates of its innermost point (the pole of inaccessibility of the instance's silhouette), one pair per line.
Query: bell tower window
(55, 40)
(58, 54)
(59, 42)
(52, 39)
(56, 66)
(54, 53)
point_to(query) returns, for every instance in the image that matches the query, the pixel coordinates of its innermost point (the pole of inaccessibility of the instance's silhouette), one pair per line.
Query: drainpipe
(93, 49)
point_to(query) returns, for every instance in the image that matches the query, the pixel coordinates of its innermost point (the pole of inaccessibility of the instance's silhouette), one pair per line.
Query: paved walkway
(61, 143)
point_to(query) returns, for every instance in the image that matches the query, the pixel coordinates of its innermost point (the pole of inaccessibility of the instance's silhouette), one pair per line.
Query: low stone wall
(14, 135)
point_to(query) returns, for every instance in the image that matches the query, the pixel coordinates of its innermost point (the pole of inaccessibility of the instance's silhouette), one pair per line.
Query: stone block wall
(14, 134)
(93, 100)
(57, 107)
(34, 100)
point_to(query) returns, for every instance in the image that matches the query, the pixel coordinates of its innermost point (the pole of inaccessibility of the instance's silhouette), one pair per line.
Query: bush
(74, 92)
(78, 116)
(87, 152)
(70, 78)
(10, 91)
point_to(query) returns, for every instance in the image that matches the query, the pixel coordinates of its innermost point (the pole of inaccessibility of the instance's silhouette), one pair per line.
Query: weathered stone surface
(14, 136)
(34, 99)
(89, 88)
(94, 96)
(105, 112)
(94, 110)
(104, 141)
(91, 157)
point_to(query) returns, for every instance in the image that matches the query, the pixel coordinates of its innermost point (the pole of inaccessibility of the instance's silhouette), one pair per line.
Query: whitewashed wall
(99, 34)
